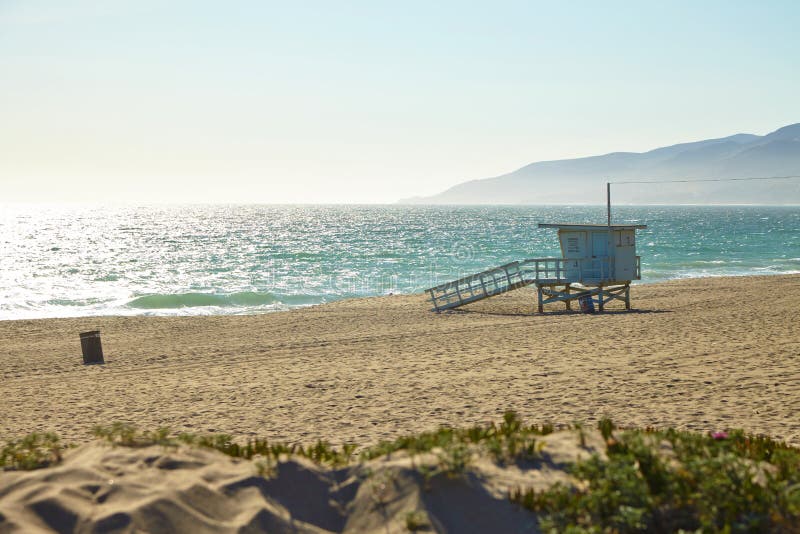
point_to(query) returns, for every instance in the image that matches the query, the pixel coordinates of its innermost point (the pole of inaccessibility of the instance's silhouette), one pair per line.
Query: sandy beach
(700, 354)
(704, 354)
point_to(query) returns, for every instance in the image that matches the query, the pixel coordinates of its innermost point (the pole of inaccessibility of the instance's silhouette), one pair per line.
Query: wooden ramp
(590, 277)
(479, 286)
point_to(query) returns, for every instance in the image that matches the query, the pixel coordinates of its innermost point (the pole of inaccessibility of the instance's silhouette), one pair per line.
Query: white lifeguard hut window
(626, 238)
(572, 245)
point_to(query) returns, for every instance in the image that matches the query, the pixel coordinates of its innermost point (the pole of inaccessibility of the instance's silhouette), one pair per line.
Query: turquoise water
(64, 261)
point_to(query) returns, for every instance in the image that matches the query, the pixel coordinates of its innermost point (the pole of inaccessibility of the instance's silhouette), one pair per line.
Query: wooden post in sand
(600, 299)
(91, 347)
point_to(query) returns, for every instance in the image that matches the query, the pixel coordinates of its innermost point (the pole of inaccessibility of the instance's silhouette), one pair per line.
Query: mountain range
(582, 180)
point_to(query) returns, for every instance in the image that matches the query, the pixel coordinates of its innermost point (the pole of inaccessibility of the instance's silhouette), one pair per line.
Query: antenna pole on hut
(610, 233)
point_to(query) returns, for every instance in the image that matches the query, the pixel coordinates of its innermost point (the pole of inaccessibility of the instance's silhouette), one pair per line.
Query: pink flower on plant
(719, 435)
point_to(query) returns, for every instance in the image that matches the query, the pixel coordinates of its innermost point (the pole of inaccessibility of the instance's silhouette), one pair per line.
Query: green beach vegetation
(670, 481)
(653, 480)
(34, 451)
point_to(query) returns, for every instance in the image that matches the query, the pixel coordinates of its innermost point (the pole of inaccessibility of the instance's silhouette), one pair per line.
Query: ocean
(70, 260)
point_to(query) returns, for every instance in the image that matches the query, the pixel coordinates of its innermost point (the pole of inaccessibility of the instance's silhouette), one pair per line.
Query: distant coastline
(580, 180)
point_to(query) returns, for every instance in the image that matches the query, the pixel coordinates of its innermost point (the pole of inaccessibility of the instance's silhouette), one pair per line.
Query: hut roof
(572, 226)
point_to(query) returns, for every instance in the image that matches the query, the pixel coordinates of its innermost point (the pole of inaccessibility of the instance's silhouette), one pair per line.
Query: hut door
(600, 263)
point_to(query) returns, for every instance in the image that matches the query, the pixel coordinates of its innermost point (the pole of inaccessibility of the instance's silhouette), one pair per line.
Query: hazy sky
(335, 101)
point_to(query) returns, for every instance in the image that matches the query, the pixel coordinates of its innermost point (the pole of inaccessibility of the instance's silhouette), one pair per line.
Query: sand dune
(163, 489)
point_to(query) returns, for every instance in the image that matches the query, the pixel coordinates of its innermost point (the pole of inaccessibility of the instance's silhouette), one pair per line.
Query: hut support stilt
(551, 293)
(600, 300)
(541, 301)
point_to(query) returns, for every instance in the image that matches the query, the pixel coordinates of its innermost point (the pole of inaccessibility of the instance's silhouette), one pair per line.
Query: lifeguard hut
(600, 258)
(597, 261)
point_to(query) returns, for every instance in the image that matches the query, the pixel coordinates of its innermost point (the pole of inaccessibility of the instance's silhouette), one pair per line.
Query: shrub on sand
(34, 451)
(667, 481)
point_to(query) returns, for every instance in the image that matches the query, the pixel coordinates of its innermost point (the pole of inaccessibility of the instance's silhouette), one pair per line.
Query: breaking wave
(245, 299)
